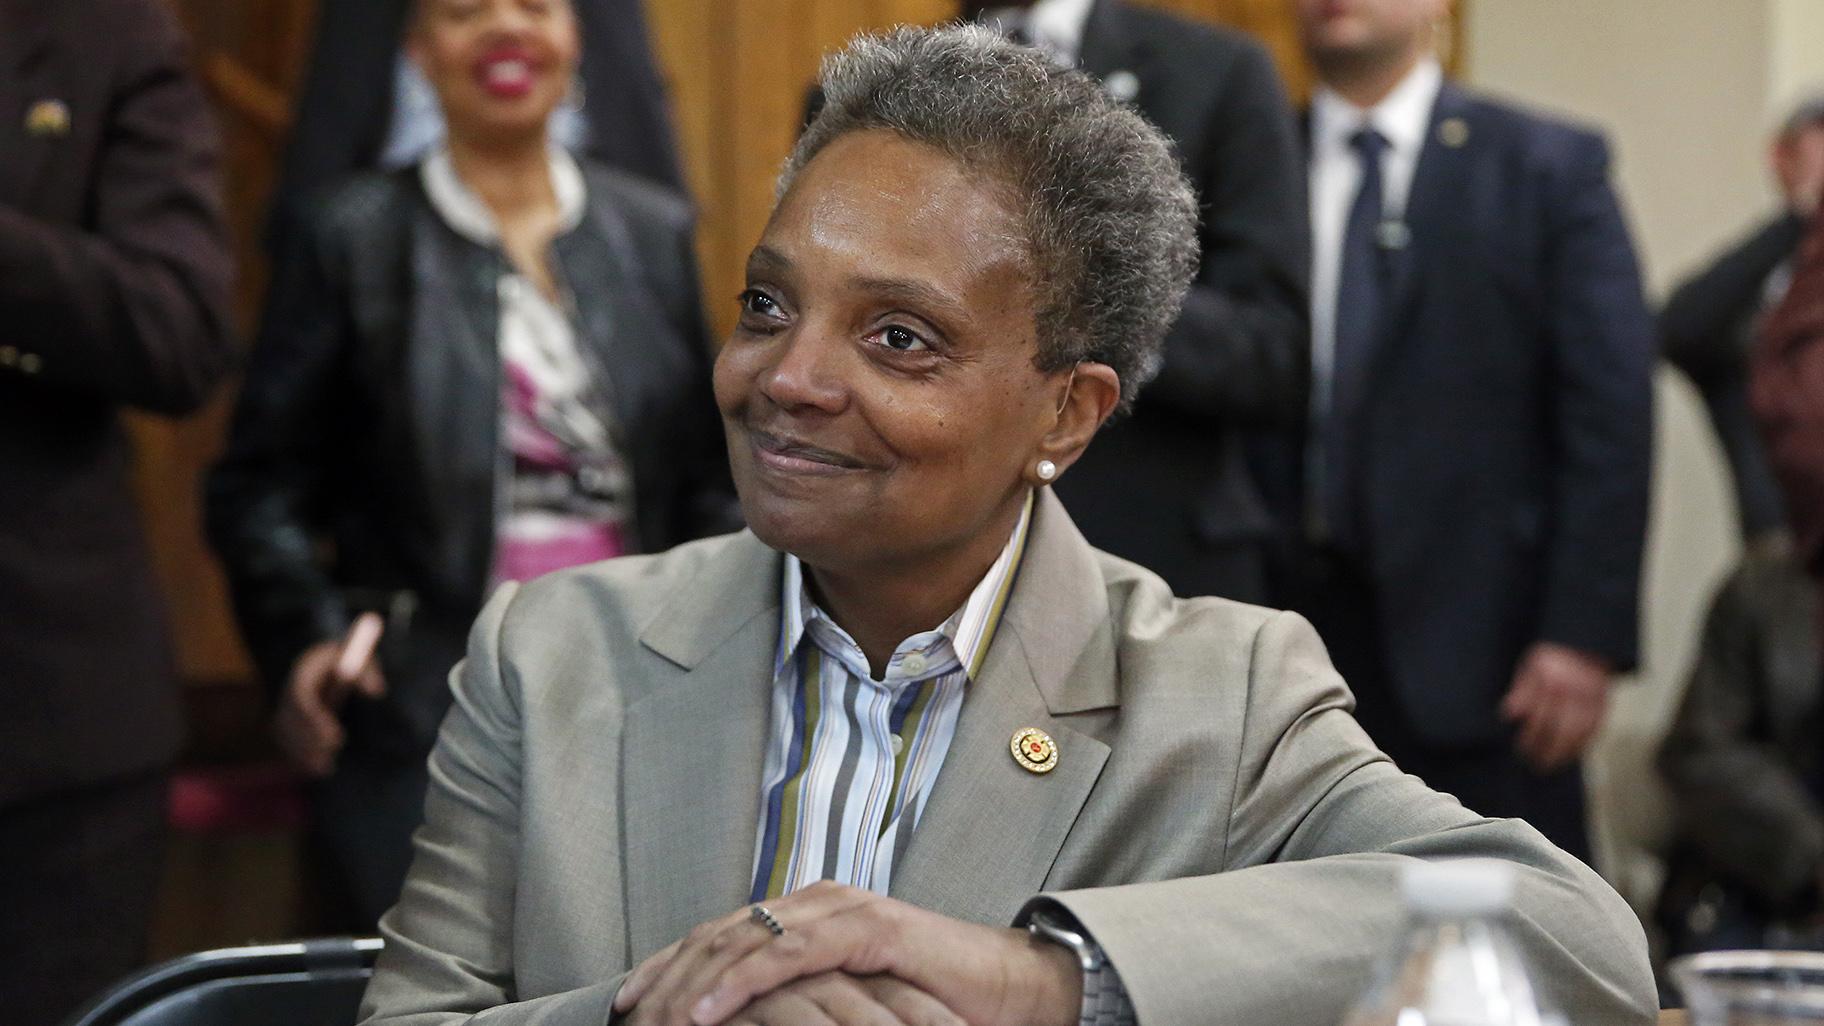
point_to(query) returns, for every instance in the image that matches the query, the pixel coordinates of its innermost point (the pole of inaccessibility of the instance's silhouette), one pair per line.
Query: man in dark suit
(361, 106)
(1482, 361)
(1708, 325)
(114, 274)
(1168, 486)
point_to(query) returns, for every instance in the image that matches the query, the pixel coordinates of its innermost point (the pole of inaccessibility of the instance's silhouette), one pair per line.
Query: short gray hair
(1111, 222)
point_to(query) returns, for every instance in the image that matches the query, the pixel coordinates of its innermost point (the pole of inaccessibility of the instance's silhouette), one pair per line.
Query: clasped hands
(849, 956)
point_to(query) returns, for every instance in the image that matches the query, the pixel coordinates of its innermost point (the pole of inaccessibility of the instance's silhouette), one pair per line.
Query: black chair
(306, 983)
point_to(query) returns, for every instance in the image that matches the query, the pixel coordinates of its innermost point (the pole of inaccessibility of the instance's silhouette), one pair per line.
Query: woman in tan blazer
(750, 781)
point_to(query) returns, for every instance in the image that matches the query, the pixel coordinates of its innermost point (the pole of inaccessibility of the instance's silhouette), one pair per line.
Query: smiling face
(500, 67)
(880, 393)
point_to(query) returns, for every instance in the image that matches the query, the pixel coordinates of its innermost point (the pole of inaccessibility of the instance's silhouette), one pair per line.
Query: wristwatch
(1105, 1000)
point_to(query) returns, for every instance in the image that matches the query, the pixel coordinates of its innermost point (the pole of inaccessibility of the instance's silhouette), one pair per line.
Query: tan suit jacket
(1217, 819)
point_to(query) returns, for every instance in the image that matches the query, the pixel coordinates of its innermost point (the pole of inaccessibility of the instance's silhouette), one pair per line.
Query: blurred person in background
(1169, 485)
(493, 364)
(1709, 324)
(1482, 431)
(114, 289)
(364, 104)
(1743, 758)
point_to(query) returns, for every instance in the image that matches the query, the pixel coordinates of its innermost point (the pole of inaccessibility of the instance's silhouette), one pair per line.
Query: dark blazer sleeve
(133, 307)
(1700, 325)
(264, 500)
(1239, 351)
(1737, 797)
(343, 105)
(712, 505)
(1601, 348)
(664, 226)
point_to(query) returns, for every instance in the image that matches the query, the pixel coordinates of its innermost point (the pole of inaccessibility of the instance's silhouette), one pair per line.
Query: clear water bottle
(1457, 965)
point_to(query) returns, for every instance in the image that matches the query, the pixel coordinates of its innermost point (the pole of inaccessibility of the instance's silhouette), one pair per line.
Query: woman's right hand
(307, 724)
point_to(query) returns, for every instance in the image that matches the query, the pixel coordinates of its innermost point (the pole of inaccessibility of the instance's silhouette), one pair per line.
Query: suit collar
(737, 584)
(1438, 184)
(1060, 615)
(1054, 656)
(1404, 116)
(1109, 42)
(700, 732)
(1449, 144)
(1056, 620)
(693, 748)
(28, 43)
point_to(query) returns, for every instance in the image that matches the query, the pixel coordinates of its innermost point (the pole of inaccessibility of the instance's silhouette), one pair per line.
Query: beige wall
(1798, 39)
(1682, 87)
(1686, 91)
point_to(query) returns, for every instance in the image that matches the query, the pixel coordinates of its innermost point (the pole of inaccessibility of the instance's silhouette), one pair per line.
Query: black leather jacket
(362, 466)
(1744, 758)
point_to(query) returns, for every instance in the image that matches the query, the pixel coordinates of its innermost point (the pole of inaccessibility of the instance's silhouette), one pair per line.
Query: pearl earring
(1047, 470)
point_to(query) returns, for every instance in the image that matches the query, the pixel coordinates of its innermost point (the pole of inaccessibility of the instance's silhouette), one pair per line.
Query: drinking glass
(1752, 988)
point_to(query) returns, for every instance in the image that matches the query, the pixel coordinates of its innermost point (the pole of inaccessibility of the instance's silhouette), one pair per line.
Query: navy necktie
(1360, 294)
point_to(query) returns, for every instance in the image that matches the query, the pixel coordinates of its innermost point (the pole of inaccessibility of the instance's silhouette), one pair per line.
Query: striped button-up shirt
(852, 759)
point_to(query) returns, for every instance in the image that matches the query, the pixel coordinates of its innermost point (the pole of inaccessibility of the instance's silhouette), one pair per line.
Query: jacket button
(31, 363)
(9, 356)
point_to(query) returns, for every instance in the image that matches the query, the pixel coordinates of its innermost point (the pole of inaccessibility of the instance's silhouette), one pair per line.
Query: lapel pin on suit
(1034, 750)
(1453, 132)
(1122, 86)
(47, 119)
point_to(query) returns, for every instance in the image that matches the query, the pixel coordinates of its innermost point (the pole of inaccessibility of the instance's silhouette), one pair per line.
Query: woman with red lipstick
(910, 750)
(493, 365)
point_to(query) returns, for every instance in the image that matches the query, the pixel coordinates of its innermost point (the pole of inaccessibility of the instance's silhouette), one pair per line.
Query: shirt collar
(1402, 116)
(469, 217)
(966, 634)
(1056, 26)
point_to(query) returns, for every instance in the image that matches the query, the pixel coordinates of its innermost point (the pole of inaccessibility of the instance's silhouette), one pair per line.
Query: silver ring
(764, 916)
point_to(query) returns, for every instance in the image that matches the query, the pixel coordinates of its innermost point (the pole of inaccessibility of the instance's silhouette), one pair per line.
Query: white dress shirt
(1402, 117)
(853, 759)
(1055, 26)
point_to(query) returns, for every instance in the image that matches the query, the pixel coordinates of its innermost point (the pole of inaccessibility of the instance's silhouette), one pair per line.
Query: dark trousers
(361, 839)
(1488, 778)
(79, 874)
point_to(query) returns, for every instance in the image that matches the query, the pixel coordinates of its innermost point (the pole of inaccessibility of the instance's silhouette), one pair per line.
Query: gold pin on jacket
(48, 118)
(1034, 750)
(1453, 132)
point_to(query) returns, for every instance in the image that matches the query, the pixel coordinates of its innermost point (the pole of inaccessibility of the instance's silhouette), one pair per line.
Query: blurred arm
(133, 308)
(263, 499)
(1601, 340)
(1240, 351)
(1738, 798)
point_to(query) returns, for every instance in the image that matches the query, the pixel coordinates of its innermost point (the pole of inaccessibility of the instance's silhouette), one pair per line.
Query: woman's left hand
(987, 976)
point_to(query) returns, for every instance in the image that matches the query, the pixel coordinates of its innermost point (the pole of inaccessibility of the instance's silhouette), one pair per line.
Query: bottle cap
(1459, 887)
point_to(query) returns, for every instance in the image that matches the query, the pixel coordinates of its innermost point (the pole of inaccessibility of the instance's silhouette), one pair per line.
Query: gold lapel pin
(1034, 750)
(48, 118)
(1453, 132)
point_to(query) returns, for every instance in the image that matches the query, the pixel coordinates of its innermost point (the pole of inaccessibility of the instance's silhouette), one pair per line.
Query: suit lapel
(1110, 50)
(1438, 184)
(28, 64)
(694, 746)
(991, 831)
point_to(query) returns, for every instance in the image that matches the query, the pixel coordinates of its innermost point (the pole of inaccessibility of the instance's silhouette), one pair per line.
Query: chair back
(305, 983)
